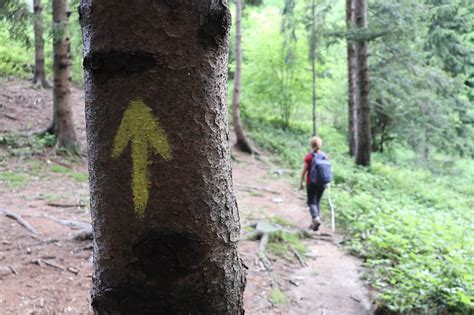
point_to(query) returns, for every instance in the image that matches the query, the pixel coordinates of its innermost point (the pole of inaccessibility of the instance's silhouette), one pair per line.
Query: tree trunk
(352, 78)
(363, 144)
(313, 62)
(39, 76)
(243, 143)
(165, 220)
(63, 124)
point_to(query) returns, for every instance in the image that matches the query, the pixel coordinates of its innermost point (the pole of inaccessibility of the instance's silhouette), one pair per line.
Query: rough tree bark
(242, 143)
(39, 75)
(63, 125)
(363, 138)
(165, 220)
(352, 78)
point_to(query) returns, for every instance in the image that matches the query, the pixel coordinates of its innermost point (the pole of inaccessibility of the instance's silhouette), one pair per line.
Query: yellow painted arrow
(140, 127)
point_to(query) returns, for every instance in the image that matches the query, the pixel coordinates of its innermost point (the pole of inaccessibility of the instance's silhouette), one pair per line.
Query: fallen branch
(63, 205)
(19, 219)
(78, 225)
(9, 116)
(84, 235)
(252, 188)
(294, 283)
(73, 270)
(40, 262)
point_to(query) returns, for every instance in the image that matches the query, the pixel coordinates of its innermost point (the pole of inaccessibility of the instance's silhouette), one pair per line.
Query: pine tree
(39, 75)
(165, 220)
(63, 125)
(242, 143)
(362, 106)
(352, 78)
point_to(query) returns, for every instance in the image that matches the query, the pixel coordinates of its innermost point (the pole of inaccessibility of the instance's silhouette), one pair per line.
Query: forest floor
(49, 273)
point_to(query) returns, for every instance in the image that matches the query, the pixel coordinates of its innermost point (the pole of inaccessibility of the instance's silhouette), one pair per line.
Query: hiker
(315, 183)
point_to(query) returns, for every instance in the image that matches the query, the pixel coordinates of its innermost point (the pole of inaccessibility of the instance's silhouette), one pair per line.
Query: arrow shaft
(140, 176)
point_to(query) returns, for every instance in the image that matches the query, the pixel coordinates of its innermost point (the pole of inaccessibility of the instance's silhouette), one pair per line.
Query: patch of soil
(49, 273)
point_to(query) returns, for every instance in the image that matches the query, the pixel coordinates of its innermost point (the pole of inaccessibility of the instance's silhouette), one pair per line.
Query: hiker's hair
(316, 142)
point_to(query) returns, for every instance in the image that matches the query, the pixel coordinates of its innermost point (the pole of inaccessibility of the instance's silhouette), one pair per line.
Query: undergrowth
(284, 244)
(409, 220)
(20, 146)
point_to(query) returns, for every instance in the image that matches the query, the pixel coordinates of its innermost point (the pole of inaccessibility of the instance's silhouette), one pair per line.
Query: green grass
(80, 177)
(281, 221)
(60, 169)
(410, 221)
(277, 297)
(14, 180)
(282, 243)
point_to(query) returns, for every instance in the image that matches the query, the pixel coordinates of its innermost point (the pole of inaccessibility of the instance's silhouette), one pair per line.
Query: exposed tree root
(19, 219)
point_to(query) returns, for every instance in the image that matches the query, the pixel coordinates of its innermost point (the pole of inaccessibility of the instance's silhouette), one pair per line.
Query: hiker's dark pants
(314, 193)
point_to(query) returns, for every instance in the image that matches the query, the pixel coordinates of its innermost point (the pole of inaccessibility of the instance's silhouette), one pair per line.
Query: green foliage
(418, 72)
(274, 75)
(14, 59)
(282, 244)
(277, 297)
(16, 40)
(79, 177)
(16, 18)
(450, 34)
(17, 145)
(14, 180)
(412, 227)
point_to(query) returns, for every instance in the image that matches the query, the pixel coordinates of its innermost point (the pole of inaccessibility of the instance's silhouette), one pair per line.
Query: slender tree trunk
(363, 144)
(382, 137)
(352, 78)
(313, 62)
(39, 75)
(243, 143)
(165, 220)
(63, 124)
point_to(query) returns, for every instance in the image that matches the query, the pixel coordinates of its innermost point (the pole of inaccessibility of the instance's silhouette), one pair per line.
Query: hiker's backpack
(320, 171)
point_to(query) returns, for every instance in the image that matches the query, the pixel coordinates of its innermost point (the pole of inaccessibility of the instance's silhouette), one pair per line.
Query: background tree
(315, 25)
(39, 73)
(62, 126)
(242, 143)
(156, 111)
(312, 59)
(415, 100)
(352, 78)
(362, 106)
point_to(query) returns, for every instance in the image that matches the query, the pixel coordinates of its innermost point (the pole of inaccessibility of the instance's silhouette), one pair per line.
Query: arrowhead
(140, 127)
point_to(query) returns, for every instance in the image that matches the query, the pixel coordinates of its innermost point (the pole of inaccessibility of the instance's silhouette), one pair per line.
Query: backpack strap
(320, 156)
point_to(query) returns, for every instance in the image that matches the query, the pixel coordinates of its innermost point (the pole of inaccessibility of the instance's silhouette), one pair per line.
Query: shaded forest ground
(51, 273)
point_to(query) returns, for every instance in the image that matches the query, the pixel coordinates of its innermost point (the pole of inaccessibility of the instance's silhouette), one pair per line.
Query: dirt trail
(330, 284)
(49, 186)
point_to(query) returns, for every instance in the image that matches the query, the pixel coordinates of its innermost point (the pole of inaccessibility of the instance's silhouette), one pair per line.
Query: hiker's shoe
(315, 224)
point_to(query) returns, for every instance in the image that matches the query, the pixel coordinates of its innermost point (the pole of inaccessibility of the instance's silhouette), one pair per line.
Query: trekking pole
(333, 219)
